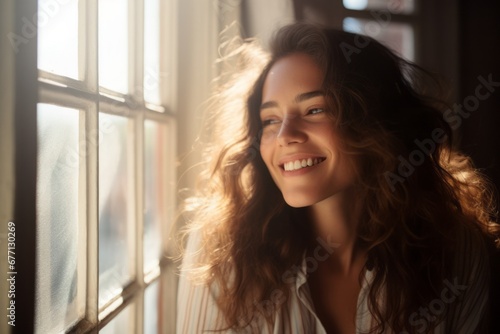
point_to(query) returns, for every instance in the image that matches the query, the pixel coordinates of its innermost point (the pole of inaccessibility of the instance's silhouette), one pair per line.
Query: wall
(6, 147)
(479, 56)
(261, 18)
(197, 50)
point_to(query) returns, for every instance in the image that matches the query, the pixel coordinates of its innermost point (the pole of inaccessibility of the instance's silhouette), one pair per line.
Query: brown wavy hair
(409, 221)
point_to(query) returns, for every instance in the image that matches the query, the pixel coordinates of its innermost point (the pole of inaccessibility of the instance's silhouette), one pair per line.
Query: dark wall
(479, 32)
(459, 39)
(479, 45)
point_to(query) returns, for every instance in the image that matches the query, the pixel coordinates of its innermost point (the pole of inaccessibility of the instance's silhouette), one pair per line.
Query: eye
(315, 111)
(271, 121)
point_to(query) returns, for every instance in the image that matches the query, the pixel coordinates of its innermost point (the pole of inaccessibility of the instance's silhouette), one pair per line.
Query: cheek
(269, 135)
(266, 154)
(322, 138)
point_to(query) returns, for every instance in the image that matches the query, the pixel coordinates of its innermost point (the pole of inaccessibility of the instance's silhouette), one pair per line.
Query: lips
(297, 164)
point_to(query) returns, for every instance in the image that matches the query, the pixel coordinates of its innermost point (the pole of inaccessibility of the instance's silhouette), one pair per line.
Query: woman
(342, 207)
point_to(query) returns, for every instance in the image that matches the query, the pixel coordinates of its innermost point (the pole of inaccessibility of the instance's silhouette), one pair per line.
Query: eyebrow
(299, 98)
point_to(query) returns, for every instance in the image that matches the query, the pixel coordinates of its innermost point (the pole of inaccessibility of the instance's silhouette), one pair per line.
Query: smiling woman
(299, 137)
(308, 235)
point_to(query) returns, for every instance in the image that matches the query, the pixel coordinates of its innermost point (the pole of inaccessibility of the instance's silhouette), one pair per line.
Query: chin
(297, 201)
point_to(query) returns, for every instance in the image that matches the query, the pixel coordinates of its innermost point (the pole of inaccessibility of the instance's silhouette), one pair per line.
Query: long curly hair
(417, 192)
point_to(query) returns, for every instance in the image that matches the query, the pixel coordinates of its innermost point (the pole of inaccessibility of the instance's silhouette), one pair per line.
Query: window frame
(336, 12)
(25, 157)
(35, 86)
(199, 32)
(440, 53)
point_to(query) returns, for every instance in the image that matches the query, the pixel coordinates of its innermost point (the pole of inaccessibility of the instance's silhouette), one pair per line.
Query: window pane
(152, 51)
(154, 192)
(113, 45)
(58, 37)
(60, 284)
(393, 6)
(116, 238)
(123, 323)
(152, 307)
(397, 36)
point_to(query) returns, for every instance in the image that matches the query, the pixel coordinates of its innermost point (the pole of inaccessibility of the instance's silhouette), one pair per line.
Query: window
(395, 23)
(105, 177)
(400, 6)
(92, 155)
(388, 21)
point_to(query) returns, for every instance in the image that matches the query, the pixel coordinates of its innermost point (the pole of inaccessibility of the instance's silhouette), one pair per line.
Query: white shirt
(465, 295)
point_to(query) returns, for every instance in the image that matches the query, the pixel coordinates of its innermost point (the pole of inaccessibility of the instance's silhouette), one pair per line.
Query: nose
(291, 131)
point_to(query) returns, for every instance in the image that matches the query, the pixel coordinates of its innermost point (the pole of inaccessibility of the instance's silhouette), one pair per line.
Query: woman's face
(299, 144)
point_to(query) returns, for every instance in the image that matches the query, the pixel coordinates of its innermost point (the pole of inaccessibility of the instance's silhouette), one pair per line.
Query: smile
(303, 163)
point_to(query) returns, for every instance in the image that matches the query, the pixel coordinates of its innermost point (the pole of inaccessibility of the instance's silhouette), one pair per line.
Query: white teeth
(299, 164)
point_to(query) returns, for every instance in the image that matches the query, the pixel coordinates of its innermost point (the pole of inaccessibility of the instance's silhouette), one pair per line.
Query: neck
(335, 221)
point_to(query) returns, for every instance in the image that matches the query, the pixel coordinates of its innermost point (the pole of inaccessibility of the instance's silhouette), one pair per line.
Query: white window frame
(90, 99)
(198, 25)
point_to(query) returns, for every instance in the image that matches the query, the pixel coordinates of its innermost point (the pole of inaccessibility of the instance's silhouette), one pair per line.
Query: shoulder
(467, 291)
(198, 309)
(471, 259)
(196, 300)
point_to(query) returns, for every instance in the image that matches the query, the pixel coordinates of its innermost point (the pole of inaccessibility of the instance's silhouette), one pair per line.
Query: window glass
(152, 51)
(394, 6)
(60, 284)
(116, 237)
(154, 192)
(57, 23)
(123, 323)
(113, 45)
(397, 36)
(152, 306)
(67, 199)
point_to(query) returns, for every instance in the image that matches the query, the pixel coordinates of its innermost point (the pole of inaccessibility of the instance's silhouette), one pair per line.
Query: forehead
(291, 75)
